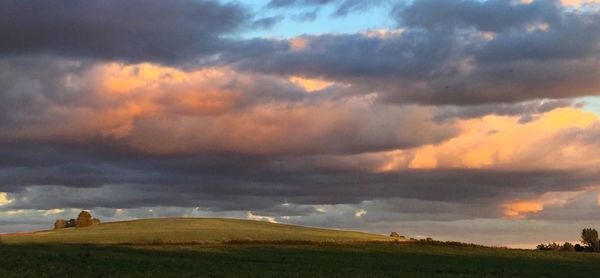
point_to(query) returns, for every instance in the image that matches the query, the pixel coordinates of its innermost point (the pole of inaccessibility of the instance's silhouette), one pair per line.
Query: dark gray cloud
(236, 182)
(133, 31)
(452, 52)
(526, 110)
(458, 52)
(490, 15)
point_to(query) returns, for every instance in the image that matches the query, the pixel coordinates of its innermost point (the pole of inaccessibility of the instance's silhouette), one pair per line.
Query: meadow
(188, 231)
(262, 251)
(306, 260)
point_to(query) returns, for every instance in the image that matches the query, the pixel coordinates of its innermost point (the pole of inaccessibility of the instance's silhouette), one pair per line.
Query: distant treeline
(589, 243)
(84, 219)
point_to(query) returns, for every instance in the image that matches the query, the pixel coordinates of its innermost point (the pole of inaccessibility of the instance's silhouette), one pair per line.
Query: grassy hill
(166, 248)
(188, 230)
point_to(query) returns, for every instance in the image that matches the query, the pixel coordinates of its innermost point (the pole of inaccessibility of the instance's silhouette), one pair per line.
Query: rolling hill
(188, 230)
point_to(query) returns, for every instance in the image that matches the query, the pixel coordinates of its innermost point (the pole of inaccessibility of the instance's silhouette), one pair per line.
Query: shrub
(554, 246)
(84, 219)
(60, 224)
(71, 223)
(550, 246)
(95, 221)
(541, 246)
(567, 246)
(394, 234)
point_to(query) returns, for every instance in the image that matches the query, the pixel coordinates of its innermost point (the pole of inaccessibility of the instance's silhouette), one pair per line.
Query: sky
(463, 120)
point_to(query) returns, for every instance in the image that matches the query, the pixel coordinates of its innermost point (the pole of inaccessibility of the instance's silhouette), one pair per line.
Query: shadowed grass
(268, 260)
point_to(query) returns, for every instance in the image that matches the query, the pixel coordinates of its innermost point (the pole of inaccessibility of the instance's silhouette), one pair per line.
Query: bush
(60, 224)
(95, 221)
(541, 246)
(567, 246)
(394, 234)
(71, 223)
(548, 247)
(84, 219)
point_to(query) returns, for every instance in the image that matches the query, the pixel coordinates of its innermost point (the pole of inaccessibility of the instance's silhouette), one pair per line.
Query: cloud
(488, 16)
(579, 3)
(342, 7)
(506, 142)
(108, 135)
(164, 110)
(465, 113)
(453, 54)
(526, 110)
(171, 32)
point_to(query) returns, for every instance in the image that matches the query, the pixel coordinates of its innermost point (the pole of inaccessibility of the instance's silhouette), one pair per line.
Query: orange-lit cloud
(568, 2)
(578, 2)
(158, 109)
(298, 43)
(517, 209)
(504, 143)
(310, 85)
(520, 208)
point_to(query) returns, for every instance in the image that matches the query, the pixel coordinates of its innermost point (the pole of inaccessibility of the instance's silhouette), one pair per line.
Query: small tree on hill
(394, 234)
(71, 223)
(589, 238)
(60, 224)
(84, 219)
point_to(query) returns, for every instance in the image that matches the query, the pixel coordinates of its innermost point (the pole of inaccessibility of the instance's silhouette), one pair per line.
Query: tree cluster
(589, 240)
(84, 219)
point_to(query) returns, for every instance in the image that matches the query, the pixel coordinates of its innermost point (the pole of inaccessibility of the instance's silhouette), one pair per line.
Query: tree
(84, 219)
(579, 248)
(394, 234)
(589, 238)
(60, 224)
(71, 223)
(567, 246)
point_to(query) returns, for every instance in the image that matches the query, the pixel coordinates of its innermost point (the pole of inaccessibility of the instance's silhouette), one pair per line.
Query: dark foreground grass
(299, 260)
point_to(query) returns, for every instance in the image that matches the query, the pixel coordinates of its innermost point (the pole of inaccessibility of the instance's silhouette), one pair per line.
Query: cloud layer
(465, 113)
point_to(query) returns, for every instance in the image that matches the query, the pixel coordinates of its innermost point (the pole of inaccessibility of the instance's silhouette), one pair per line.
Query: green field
(214, 248)
(268, 260)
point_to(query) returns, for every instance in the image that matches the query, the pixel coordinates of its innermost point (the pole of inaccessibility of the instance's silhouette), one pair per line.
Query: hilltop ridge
(190, 230)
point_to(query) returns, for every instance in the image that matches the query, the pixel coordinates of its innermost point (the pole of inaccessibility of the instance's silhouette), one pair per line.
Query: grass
(239, 248)
(265, 260)
(187, 231)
